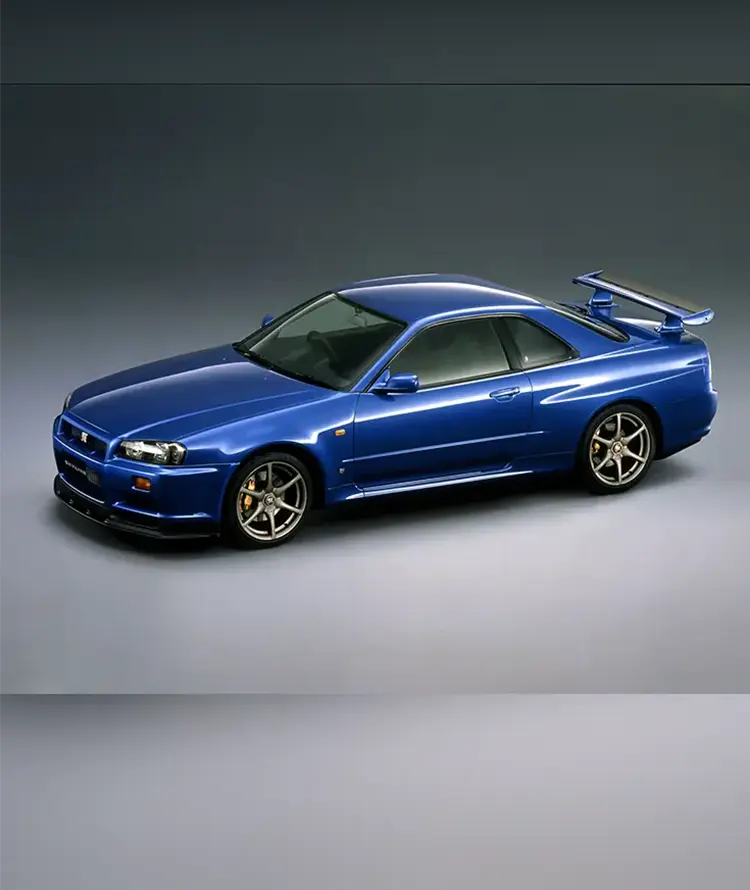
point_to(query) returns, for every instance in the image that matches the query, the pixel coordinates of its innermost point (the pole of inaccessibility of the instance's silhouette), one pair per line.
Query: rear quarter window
(536, 346)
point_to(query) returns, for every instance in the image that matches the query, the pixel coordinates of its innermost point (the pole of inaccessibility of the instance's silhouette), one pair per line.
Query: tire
(276, 521)
(631, 453)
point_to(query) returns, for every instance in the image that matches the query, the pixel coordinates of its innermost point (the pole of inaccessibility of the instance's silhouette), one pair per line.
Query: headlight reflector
(153, 452)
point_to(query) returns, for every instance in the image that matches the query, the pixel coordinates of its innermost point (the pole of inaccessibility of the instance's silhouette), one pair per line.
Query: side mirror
(266, 321)
(390, 383)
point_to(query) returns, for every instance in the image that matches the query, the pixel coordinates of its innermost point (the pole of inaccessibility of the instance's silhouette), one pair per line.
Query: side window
(453, 352)
(536, 345)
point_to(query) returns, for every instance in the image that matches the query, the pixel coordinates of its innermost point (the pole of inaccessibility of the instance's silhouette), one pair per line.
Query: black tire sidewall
(584, 466)
(232, 532)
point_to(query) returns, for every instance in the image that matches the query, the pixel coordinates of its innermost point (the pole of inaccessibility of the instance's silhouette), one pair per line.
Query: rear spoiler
(677, 312)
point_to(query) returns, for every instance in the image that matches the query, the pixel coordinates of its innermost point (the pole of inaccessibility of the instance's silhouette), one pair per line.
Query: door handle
(505, 395)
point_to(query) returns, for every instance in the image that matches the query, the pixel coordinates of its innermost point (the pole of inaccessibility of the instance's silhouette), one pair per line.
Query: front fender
(324, 429)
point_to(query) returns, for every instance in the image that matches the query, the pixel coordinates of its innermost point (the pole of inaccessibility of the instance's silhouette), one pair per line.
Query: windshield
(329, 341)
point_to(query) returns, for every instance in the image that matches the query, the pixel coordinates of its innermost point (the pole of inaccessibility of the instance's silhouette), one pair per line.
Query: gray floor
(377, 792)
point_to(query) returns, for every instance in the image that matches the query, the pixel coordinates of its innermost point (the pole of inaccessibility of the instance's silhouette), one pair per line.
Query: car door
(471, 413)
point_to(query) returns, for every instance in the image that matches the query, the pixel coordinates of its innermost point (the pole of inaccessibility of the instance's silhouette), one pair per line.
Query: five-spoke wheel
(268, 501)
(617, 449)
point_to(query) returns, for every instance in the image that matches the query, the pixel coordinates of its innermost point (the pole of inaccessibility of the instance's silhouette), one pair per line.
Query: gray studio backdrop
(141, 221)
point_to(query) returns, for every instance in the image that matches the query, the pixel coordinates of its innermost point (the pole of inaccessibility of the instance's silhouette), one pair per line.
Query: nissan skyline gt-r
(383, 386)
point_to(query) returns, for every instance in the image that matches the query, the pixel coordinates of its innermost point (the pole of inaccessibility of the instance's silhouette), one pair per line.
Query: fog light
(142, 484)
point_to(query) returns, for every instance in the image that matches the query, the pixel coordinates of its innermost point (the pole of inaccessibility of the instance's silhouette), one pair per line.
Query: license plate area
(94, 478)
(77, 472)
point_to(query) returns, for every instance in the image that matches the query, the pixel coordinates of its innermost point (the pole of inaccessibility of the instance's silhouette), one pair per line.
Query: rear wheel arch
(647, 408)
(613, 459)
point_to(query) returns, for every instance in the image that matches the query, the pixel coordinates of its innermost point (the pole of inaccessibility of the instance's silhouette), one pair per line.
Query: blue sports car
(384, 386)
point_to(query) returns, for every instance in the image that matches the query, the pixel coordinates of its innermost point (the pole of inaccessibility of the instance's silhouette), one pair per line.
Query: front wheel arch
(311, 462)
(233, 515)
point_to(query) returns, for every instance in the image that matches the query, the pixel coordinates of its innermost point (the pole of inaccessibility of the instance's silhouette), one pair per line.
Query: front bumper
(183, 501)
(133, 523)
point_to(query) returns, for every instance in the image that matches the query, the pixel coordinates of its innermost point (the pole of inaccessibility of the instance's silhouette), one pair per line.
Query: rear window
(580, 315)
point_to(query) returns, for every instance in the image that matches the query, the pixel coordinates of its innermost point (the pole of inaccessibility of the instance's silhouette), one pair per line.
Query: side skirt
(436, 482)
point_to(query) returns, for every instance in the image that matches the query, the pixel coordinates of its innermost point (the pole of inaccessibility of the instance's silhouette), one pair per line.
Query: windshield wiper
(254, 357)
(258, 359)
(266, 363)
(243, 350)
(308, 378)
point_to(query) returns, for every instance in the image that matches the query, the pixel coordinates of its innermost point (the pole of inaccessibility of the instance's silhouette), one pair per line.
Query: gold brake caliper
(247, 499)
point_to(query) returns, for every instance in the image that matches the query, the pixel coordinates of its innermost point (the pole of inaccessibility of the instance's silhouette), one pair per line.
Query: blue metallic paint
(442, 430)
(224, 408)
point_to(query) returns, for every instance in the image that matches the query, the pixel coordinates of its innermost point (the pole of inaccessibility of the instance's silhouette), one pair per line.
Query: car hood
(174, 397)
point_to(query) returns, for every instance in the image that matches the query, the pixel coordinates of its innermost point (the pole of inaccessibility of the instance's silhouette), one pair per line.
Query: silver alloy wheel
(620, 448)
(271, 501)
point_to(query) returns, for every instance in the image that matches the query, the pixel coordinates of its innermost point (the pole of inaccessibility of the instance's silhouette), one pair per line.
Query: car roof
(413, 298)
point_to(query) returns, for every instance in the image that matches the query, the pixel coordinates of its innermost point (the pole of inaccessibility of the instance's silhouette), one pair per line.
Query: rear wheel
(617, 449)
(268, 502)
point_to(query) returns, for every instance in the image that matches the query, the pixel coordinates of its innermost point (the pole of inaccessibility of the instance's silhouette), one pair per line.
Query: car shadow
(364, 516)
(518, 493)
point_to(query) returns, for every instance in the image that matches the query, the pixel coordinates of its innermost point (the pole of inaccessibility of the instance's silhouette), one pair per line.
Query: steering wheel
(315, 338)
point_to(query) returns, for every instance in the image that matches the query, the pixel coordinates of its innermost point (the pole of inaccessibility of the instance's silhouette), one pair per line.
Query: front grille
(80, 476)
(83, 440)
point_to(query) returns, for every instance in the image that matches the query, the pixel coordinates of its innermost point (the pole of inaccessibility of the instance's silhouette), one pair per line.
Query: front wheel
(617, 449)
(268, 502)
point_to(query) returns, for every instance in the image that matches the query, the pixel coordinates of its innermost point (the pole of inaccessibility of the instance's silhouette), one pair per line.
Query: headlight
(66, 403)
(153, 452)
